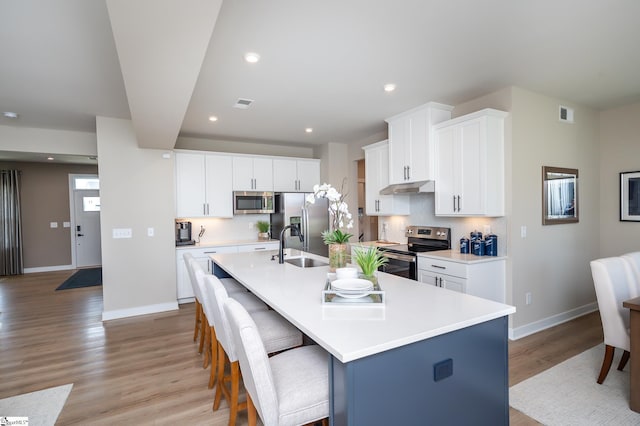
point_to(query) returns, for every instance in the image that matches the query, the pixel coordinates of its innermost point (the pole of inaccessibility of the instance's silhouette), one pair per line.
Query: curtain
(11, 224)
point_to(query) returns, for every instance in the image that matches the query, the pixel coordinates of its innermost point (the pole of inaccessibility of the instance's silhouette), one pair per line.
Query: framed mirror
(559, 195)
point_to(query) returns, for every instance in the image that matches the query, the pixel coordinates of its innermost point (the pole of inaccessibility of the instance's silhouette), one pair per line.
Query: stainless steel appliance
(183, 234)
(403, 258)
(310, 220)
(252, 202)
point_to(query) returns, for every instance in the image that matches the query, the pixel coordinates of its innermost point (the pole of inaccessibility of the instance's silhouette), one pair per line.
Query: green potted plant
(263, 229)
(369, 259)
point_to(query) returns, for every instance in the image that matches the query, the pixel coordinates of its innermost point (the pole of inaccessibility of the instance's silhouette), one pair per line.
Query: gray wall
(619, 152)
(137, 192)
(552, 262)
(45, 199)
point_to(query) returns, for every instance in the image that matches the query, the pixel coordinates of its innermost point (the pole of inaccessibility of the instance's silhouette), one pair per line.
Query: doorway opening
(84, 208)
(367, 225)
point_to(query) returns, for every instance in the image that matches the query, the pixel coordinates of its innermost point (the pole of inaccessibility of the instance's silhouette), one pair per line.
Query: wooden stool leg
(251, 412)
(220, 373)
(196, 328)
(207, 338)
(235, 390)
(624, 360)
(203, 321)
(214, 356)
(606, 363)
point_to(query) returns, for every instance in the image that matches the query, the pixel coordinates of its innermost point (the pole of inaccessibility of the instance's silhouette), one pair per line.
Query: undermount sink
(305, 262)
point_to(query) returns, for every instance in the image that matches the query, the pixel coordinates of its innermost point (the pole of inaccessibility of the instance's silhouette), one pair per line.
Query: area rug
(83, 278)
(567, 394)
(41, 408)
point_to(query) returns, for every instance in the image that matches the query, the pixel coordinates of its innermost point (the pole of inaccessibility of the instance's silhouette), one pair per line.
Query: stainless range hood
(409, 188)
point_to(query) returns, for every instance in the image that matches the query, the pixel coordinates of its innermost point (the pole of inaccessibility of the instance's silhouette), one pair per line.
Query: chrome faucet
(281, 248)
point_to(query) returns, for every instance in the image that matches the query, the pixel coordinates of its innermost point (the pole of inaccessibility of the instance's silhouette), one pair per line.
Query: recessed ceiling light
(213, 118)
(9, 114)
(389, 87)
(251, 57)
(308, 130)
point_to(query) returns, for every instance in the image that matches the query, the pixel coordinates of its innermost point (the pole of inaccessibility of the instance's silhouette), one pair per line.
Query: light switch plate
(53, 224)
(150, 232)
(66, 224)
(122, 233)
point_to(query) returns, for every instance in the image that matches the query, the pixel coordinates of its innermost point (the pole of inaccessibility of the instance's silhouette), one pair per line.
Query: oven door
(403, 265)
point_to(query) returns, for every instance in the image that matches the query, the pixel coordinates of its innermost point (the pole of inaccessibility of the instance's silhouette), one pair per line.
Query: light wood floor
(146, 370)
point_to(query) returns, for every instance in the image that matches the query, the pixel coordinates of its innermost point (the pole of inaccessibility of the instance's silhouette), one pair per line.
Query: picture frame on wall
(630, 196)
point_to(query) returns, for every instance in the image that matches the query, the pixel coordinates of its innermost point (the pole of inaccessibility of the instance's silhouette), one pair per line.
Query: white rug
(568, 394)
(41, 407)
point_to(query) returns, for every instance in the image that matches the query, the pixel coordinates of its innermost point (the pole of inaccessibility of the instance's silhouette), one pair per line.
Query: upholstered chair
(246, 299)
(290, 388)
(633, 260)
(276, 333)
(614, 283)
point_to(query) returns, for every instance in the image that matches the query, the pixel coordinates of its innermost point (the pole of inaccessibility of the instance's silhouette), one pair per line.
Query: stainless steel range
(403, 258)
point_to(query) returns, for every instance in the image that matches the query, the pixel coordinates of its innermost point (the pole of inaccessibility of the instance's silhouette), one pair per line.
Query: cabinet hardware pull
(454, 203)
(459, 203)
(259, 248)
(204, 209)
(408, 172)
(438, 266)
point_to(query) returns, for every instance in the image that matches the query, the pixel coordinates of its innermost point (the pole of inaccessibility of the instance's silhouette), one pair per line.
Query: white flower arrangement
(338, 211)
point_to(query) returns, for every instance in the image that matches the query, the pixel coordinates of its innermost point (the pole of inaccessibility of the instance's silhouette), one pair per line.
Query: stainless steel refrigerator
(311, 220)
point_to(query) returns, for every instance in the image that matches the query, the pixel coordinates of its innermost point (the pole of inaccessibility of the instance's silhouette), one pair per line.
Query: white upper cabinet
(252, 174)
(203, 187)
(295, 175)
(410, 142)
(469, 167)
(376, 158)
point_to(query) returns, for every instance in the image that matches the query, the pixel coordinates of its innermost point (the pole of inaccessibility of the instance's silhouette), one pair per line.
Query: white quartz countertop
(413, 311)
(225, 243)
(455, 256)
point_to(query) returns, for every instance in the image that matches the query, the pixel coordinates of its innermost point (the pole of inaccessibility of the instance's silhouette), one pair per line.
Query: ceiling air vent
(566, 114)
(243, 103)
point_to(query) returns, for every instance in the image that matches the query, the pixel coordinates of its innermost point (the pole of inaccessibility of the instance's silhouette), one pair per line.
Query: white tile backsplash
(241, 227)
(422, 213)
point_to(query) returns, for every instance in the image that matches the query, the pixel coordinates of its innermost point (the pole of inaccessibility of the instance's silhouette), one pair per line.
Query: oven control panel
(430, 232)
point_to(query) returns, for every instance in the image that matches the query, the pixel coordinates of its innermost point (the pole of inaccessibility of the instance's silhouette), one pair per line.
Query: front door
(87, 227)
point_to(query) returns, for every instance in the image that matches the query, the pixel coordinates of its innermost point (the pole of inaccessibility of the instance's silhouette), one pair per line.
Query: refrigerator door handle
(305, 229)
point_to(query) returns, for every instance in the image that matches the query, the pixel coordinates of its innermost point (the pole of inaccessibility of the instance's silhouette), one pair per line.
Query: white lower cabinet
(183, 283)
(483, 278)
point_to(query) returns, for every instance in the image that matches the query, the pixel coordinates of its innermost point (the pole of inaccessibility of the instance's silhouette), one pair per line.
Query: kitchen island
(427, 356)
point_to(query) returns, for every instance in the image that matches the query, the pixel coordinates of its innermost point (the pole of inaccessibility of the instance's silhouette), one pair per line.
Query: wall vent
(565, 114)
(242, 103)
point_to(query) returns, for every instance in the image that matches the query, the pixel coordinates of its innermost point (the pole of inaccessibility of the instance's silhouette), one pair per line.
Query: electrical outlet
(487, 229)
(523, 231)
(150, 232)
(251, 225)
(527, 298)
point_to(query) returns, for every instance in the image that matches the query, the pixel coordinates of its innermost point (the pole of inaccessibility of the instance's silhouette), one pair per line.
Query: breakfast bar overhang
(427, 356)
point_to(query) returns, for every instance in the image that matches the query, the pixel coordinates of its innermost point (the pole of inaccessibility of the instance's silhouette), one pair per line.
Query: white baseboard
(543, 324)
(48, 269)
(140, 310)
(186, 300)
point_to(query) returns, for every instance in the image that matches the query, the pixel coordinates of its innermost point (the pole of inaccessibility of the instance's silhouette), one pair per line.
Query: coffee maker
(183, 234)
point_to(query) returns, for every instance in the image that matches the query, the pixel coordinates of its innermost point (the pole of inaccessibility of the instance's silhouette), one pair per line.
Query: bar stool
(290, 388)
(246, 299)
(276, 333)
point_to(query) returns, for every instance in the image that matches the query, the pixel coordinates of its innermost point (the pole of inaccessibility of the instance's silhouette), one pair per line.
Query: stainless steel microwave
(252, 202)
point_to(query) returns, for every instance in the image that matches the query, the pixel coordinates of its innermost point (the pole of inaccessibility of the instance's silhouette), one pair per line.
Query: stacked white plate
(352, 288)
